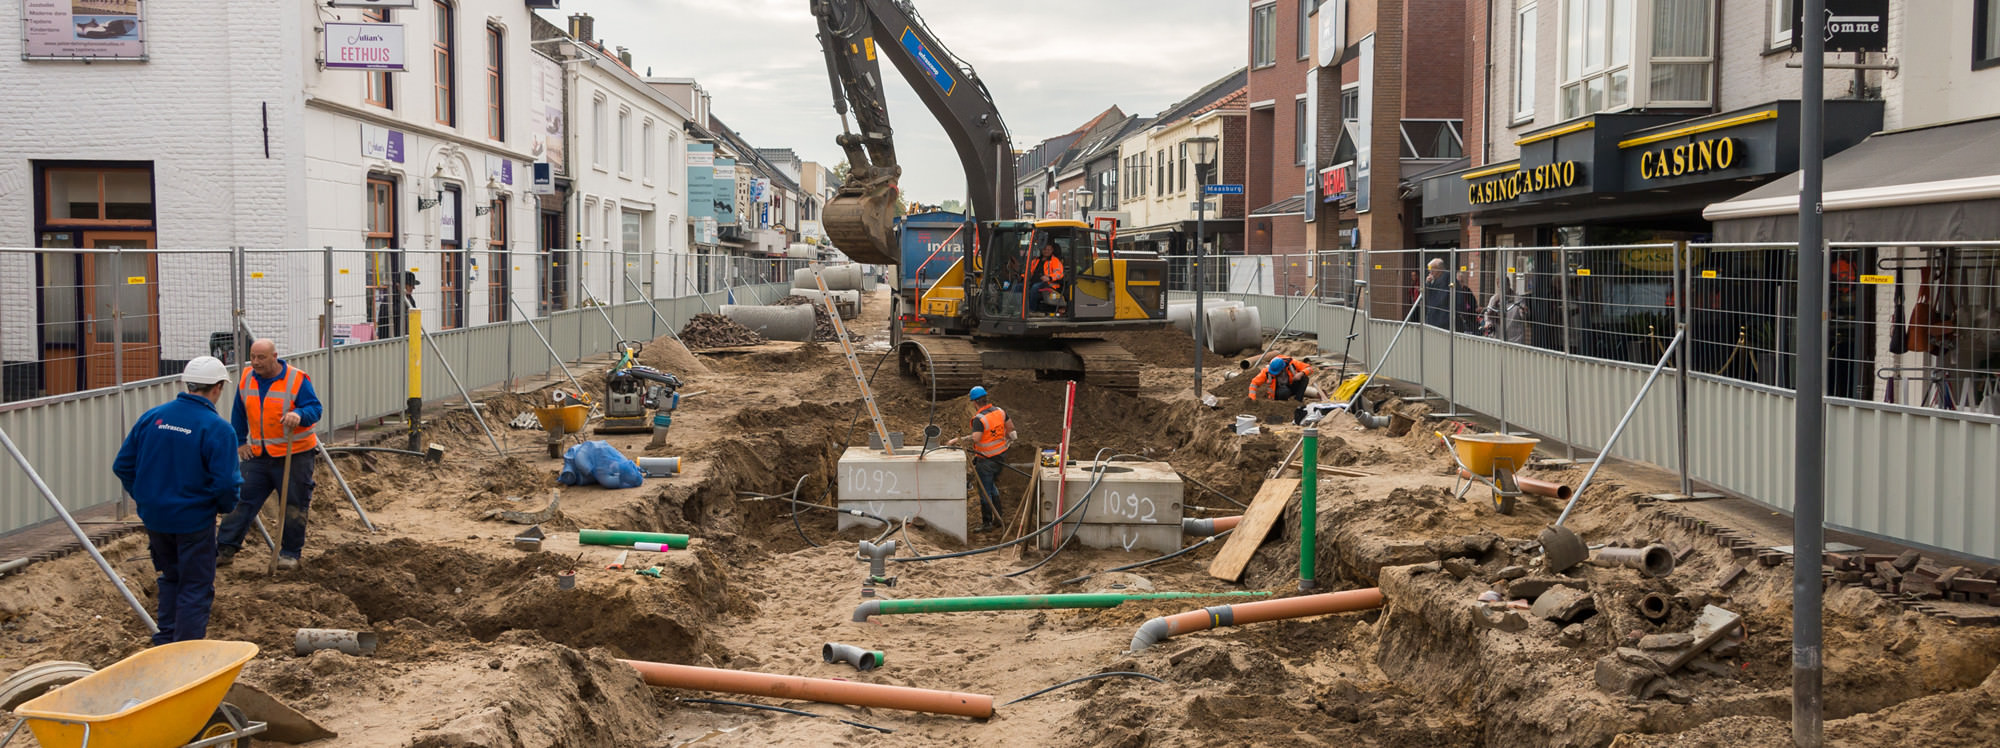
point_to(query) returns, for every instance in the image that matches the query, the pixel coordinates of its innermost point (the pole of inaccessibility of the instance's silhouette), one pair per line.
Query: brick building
(1275, 143)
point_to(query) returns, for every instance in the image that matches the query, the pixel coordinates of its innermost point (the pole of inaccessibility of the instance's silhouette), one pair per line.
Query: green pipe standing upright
(1309, 510)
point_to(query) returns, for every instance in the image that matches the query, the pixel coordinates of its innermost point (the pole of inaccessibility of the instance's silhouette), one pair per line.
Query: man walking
(182, 450)
(274, 415)
(992, 433)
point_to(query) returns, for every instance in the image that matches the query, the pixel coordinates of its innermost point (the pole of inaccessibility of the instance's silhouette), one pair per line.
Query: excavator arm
(853, 34)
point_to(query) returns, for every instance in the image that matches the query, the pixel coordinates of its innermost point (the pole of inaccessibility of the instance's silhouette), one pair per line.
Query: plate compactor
(631, 390)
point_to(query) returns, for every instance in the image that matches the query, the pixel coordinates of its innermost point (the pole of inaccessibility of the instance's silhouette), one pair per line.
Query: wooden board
(1264, 511)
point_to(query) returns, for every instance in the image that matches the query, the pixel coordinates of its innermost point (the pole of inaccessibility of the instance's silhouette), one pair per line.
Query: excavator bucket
(862, 224)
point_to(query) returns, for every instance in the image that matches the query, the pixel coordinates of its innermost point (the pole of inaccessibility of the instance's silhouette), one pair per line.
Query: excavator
(984, 311)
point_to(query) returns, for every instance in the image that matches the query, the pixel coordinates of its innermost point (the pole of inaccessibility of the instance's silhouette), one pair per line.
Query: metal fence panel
(71, 443)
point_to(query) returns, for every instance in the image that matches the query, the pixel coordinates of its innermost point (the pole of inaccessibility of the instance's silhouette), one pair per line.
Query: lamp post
(1083, 203)
(1202, 147)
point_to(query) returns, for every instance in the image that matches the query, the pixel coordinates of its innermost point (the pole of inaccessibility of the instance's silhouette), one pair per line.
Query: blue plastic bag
(600, 463)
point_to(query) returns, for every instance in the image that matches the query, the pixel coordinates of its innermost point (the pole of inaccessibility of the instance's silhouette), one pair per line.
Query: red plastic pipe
(1216, 616)
(1062, 463)
(821, 690)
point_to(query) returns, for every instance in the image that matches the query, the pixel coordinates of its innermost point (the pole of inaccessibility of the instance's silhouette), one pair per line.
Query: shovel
(1561, 548)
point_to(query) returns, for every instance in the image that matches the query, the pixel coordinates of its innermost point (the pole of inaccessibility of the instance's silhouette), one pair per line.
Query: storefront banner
(1333, 182)
(448, 216)
(1332, 31)
(363, 46)
(82, 29)
(499, 170)
(382, 143)
(702, 156)
(725, 171)
(547, 143)
(1312, 143)
(724, 202)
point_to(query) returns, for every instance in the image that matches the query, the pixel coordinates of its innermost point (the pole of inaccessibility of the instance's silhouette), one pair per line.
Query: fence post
(331, 401)
(1681, 288)
(1451, 340)
(236, 306)
(118, 356)
(1562, 311)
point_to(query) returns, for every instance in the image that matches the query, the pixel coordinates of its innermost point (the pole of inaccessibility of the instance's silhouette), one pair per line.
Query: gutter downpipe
(873, 608)
(1164, 627)
(822, 690)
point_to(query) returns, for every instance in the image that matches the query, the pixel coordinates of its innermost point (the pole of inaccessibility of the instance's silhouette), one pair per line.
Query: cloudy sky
(1051, 65)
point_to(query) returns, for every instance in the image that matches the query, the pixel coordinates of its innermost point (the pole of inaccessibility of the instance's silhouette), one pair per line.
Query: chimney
(625, 56)
(580, 27)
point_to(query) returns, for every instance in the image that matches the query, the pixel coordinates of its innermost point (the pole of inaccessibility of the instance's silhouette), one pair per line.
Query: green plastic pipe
(1309, 510)
(621, 537)
(1024, 602)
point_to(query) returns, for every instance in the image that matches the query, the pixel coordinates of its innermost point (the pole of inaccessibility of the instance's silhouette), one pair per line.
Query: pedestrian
(177, 464)
(992, 433)
(1437, 295)
(1466, 302)
(1285, 379)
(274, 415)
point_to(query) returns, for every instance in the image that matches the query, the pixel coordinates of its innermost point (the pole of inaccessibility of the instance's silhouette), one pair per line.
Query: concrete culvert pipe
(1652, 561)
(863, 660)
(838, 278)
(1181, 313)
(849, 302)
(1233, 329)
(774, 322)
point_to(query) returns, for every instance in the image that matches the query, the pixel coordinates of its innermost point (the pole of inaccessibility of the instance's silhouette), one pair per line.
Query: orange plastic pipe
(1164, 627)
(821, 690)
(1533, 486)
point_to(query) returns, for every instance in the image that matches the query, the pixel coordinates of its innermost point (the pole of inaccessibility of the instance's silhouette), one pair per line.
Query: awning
(1291, 206)
(1937, 183)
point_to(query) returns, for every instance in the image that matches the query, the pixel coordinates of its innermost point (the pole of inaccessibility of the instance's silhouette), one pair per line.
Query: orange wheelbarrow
(169, 696)
(1492, 459)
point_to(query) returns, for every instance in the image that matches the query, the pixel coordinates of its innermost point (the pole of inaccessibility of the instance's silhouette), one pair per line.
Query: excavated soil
(716, 331)
(481, 648)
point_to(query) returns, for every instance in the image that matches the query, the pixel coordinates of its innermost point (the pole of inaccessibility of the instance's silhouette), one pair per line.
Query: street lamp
(1083, 203)
(1203, 146)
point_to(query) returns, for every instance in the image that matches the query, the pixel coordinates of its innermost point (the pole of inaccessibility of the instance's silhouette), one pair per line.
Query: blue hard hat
(1277, 365)
(977, 393)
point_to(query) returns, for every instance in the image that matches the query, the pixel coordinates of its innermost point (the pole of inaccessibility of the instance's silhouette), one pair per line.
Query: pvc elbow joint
(1150, 633)
(866, 610)
(863, 660)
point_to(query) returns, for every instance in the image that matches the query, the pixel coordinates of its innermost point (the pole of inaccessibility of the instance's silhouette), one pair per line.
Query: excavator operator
(1045, 281)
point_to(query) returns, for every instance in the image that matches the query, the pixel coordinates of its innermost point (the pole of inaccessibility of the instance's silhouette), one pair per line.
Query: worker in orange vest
(992, 433)
(1045, 279)
(274, 415)
(1285, 379)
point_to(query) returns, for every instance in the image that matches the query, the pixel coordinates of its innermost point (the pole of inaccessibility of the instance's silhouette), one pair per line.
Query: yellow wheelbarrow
(169, 696)
(1492, 459)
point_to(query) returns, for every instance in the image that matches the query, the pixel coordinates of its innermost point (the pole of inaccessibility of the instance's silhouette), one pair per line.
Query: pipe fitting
(1208, 527)
(867, 609)
(1653, 606)
(877, 557)
(1652, 561)
(1370, 420)
(358, 643)
(863, 660)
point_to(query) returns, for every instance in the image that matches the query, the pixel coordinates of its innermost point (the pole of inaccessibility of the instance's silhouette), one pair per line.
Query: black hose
(1151, 561)
(1083, 502)
(1211, 489)
(789, 710)
(1090, 677)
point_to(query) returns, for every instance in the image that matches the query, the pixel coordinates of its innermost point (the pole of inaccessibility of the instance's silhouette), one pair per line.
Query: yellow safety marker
(1583, 271)
(135, 280)
(1878, 280)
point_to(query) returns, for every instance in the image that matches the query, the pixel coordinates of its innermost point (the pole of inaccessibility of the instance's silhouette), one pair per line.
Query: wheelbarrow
(169, 696)
(560, 419)
(1492, 459)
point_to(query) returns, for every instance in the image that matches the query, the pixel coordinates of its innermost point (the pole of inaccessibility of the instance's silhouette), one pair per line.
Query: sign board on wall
(372, 3)
(1363, 137)
(82, 30)
(1333, 182)
(701, 181)
(500, 170)
(448, 216)
(382, 143)
(363, 46)
(545, 179)
(1311, 136)
(546, 82)
(724, 202)
(1332, 31)
(1849, 25)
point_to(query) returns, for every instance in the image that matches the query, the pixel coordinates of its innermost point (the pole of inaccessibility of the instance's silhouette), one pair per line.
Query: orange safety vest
(991, 423)
(265, 411)
(1051, 271)
(1294, 371)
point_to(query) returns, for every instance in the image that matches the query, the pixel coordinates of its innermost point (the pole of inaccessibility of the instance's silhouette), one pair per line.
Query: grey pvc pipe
(1665, 356)
(358, 643)
(863, 660)
(14, 564)
(877, 557)
(88, 547)
(1651, 561)
(774, 322)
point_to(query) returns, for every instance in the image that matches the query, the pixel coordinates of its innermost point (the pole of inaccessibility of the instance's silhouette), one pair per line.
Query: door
(1095, 296)
(115, 286)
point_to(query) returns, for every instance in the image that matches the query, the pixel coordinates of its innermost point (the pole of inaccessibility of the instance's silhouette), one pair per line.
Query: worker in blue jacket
(179, 465)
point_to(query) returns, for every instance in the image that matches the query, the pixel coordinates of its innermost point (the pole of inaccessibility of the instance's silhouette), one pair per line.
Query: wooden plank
(1264, 511)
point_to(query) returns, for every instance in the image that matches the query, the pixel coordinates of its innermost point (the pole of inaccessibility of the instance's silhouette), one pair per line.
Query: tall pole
(1808, 509)
(1200, 231)
(326, 328)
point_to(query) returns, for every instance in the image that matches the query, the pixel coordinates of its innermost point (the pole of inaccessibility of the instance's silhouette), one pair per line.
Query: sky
(1051, 65)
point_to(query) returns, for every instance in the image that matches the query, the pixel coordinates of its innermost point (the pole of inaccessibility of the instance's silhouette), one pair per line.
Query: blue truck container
(930, 243)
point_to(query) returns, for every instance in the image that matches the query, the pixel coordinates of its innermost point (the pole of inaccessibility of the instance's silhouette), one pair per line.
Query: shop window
(1264, 35)
(98, 197)
(382, 277)
(451, 261)
(443, 104)
(499, 271)
(555, 263)
(1985, 34)
(381, 85)
(1433, 138)
(1524, 62)
(496, 86)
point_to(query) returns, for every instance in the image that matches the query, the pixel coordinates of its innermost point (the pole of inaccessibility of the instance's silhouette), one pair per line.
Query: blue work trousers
(260, 477)
(186, 562)
(988, 470)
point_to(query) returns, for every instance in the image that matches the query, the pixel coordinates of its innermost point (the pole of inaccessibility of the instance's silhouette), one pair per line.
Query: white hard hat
(205, 370)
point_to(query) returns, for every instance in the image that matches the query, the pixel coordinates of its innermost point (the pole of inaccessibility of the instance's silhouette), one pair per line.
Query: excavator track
(952, 363)
(1106, 365)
